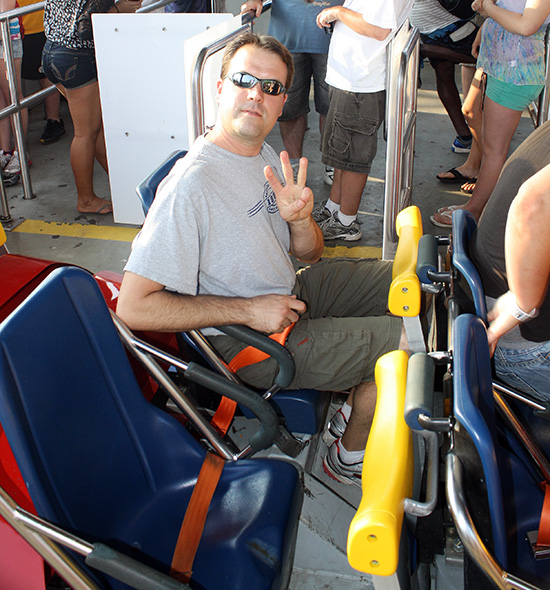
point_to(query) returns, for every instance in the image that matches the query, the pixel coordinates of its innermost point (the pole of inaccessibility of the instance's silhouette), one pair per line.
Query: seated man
(214, 250)
(511, 249)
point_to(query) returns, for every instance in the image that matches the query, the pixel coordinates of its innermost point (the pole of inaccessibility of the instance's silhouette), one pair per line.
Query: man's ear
(286, 96)
(219, 86)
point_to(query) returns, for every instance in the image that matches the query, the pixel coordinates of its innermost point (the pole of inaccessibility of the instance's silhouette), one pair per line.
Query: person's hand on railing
(252, 5)
(127, 6)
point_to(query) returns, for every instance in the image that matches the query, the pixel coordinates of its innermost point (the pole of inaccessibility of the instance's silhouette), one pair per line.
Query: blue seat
(147, 188)
(101, 461)
(464, 225)
(515, 497)
(304, 409)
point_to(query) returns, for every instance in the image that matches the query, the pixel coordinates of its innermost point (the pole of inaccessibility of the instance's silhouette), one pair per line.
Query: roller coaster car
(102, 463)
(480, 526)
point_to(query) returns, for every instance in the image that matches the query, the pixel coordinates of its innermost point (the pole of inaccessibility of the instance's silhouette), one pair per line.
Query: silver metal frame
(401, 118)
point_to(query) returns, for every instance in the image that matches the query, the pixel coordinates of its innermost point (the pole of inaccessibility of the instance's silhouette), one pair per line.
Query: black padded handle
(130, 571)
(254, 338)
(420, 389)
(427, 257)
(269, 422)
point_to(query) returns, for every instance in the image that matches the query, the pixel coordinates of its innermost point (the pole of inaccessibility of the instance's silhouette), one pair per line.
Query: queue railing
(401, 108)
(14, 109)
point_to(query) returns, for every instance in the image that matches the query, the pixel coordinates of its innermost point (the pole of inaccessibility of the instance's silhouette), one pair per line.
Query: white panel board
(141, 70)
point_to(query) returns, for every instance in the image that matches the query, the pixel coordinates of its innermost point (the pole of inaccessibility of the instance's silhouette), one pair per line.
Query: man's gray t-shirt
(215, 228)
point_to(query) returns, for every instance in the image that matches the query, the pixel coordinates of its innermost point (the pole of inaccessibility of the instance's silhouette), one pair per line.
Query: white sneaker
(333, 229)
(13, 166)
(328, 177)
(335, 468)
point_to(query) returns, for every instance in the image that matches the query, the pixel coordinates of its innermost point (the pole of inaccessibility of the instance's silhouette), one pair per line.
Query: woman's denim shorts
(72, 68)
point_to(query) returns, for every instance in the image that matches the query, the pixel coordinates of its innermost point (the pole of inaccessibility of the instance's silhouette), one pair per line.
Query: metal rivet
(374, 563)
(372, 538)
(405, 308)
(405, 290)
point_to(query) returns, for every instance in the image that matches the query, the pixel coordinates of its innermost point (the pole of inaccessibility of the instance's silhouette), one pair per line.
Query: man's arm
(295, 202)
(353, 20)
(527, 253)
(146, 305)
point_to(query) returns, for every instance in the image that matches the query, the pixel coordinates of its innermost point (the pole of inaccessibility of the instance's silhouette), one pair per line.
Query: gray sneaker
(335, 468)
(320, 212)
(13, 166)
(336, 428)
(333, 229)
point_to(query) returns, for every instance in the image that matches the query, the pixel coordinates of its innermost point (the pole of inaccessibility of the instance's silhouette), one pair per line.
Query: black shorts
(31, 66)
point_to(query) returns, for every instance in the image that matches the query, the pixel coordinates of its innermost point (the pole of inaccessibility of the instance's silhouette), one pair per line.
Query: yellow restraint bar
(373, 538)
(2, 235)
(404, 296)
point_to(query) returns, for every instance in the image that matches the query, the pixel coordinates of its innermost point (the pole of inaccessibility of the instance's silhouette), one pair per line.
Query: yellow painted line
(77, 230)
(355, 252)
(127, 234)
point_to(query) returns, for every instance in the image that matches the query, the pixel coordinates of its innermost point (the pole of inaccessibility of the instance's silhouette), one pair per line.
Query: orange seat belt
(195, 516)
(250, 355)
(543, 537)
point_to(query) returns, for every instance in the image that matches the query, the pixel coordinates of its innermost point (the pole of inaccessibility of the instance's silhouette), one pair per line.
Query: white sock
(346, 220)
(331, 206)
(350, 457)
(346, 410)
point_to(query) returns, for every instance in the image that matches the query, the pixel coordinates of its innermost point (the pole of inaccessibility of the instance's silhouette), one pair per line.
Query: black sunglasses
(245, 80)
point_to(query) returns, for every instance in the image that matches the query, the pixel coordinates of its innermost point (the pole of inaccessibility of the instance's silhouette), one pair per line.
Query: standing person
(214, 250)
(511, 250)
(33, 43)
(293, 23)
(68, 60)
(512, 56)
(447, 40)
(356, 74)
(9, 156)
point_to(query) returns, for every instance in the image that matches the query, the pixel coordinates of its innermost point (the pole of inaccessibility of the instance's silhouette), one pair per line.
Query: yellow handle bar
(404, 296)
(374, 533)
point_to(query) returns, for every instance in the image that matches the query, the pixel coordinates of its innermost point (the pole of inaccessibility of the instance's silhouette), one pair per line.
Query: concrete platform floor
(52, 228)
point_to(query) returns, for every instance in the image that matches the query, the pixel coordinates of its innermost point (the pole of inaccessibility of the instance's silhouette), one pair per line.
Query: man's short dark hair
(264, 42)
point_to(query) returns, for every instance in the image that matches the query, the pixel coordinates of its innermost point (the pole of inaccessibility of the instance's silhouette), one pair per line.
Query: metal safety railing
(17, 105)
(14, 109)
(401, 108)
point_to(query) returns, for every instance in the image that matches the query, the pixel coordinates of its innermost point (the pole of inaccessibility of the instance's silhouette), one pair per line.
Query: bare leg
(363, 401)
(85, 110)
(449, 96)
(499, 126)
(52, 101)
(292, 134)
(347, 190)
(4, 87)
(472, 113)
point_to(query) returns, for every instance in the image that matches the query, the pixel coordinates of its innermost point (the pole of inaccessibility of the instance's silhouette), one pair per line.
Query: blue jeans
(72, 68)
(526, 369)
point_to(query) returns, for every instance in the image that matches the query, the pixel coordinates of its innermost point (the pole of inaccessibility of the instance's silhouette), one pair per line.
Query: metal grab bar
(14, 109)
(468, 534)
(401, 136)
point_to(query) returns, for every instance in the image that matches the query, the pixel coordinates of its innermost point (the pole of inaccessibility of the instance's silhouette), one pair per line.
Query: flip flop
(101, 210)
(469, 191)
(445, 214)
(458, 177)
(450, 208)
